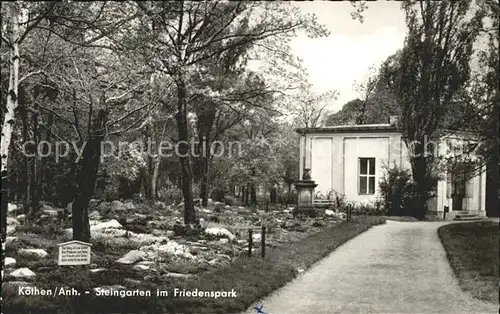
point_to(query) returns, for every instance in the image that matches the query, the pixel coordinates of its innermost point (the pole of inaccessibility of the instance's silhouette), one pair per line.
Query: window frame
(367, 175)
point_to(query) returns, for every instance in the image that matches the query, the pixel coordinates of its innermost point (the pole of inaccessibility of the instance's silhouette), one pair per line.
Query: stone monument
(305, 190)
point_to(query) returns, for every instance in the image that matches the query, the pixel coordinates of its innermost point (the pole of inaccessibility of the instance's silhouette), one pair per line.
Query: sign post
(74, 253)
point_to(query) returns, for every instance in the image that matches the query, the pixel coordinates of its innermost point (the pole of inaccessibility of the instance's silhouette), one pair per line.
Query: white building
(349, 160)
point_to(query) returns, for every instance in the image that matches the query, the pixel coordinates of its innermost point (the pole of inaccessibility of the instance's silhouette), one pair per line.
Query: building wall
(333, 160)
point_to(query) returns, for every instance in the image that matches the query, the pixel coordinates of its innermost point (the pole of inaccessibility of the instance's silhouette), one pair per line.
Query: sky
(338, 61)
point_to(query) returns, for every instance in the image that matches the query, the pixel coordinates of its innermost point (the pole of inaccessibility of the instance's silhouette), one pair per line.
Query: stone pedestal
(305, 190)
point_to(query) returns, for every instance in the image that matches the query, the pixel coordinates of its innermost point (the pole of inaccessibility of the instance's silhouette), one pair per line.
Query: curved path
(398, 267)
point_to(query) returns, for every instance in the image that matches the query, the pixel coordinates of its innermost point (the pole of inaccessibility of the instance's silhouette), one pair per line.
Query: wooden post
(250, 240)
(349, 210)
(263, 241)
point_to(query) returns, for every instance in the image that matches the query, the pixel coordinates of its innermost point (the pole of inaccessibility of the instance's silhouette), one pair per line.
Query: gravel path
(398, 267)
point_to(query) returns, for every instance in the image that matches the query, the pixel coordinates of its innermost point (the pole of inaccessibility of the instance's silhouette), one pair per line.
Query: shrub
(369, 209)
(170, 195)
(217, 194)
(397, 191)
(229, 200)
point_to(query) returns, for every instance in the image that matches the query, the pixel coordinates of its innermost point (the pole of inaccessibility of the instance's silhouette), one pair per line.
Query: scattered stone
(69, 207)
(10, 229)
(224, 240)
(300, 270)
(129, 206)
(11, 207)
(218, 206)
(21, 218)
(140, 267)
(132, 257)
(12, 221)
(171, 248)
(286, 211)
(227, 207)
(112, 224)
(97, 270)
(220, 232)
(95, 215)
(177, 275)
(141, 216)
(51, 212)
(117, 206)
(17, 283)
(256, 237)
(10, 239)
(33, 253)
(10, 262)
(329, 212)
(131, 281)
(23, 273)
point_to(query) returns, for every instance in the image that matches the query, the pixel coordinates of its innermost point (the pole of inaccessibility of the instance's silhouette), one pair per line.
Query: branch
(129, 114)
(135, 123)
(32, 74)
(7, 42)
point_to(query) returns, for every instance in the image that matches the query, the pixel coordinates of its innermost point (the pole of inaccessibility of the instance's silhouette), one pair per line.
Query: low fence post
(263, 242)
(250, 240)
(349, 210)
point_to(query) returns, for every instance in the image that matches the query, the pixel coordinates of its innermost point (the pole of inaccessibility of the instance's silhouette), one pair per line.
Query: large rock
(10, 262)
(172, 248)
(12, 221)
(111, 224)
(117, 206)
(220, 233)
(132, 257)
(95, 215)
(33, 253)
(129, 206)
(51, 212)
(23, 273)
(329, 212)
(11, 207)
(140, 267)
(21, 218)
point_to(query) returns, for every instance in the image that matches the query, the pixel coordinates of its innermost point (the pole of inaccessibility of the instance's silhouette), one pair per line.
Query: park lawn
(472, 249)
(253, 278)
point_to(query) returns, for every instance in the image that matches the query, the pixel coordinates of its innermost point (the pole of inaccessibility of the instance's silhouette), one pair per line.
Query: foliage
(170, 195)
(397, 191)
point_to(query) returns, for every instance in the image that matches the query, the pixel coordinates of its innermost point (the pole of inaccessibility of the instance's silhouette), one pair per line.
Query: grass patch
(251, 278)
(472, 249)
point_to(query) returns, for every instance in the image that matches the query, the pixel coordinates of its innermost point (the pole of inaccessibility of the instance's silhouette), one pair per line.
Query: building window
(366, 176)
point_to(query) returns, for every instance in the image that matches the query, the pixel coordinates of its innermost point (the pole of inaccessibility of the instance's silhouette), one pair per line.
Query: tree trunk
(35, 200)
(183, 149)
(205, 175)
(420, 175)
(253, 195)
(8, 124)
(26, 163)
(86, 179)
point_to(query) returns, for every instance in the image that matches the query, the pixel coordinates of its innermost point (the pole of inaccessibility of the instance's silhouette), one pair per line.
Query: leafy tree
(184, 35)
(434, 68)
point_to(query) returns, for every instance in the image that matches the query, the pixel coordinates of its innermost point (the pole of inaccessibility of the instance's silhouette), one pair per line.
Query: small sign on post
(263, 242)
(250, 242)
(74, 253)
